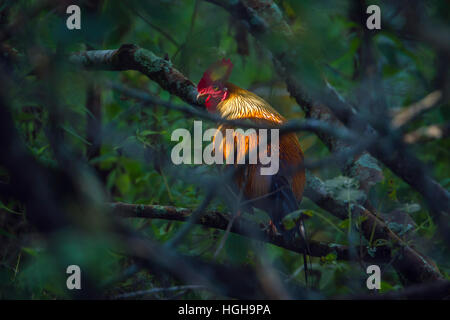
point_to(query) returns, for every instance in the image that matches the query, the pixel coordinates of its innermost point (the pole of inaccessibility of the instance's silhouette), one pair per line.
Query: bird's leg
(271, 229)
(233, 220)
(235, 216)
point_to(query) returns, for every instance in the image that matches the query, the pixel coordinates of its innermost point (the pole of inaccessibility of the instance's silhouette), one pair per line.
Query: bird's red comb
(219, 71)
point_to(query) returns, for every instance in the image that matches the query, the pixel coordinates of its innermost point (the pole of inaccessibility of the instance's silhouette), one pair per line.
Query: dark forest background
(85, 171)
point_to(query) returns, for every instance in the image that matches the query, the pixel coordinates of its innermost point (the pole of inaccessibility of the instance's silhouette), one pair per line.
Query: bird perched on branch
(278, 194)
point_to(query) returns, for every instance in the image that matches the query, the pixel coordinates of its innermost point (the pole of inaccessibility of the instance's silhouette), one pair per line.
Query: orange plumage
(232, 103)
(278, 194)
(242, 104)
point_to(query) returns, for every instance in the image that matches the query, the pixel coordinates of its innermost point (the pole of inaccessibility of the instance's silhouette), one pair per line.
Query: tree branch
(411, 112)
(414, 266)
(244, 227)
(425, 134)
(131, 57)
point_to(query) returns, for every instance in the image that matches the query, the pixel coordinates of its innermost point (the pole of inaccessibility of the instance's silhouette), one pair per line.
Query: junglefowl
(278, 194)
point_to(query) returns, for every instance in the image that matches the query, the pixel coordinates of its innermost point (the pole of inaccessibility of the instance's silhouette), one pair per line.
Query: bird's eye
(216, 88)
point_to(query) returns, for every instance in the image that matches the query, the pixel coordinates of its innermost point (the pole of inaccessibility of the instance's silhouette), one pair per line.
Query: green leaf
(410, 207)
(330, 258)
(2, 206)
(344, 189)
(380, 242)
(76, 135)
(123, 183)
(400, 229)
(31, 251)
(290, 220)
(371, 251)
(150, 132)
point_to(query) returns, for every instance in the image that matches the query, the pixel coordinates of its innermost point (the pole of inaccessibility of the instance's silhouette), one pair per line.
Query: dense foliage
(94, 142)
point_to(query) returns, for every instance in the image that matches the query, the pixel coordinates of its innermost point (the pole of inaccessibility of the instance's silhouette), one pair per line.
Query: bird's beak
(201, 98)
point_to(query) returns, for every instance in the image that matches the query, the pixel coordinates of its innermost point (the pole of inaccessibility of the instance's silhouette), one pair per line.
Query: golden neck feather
(245, 104)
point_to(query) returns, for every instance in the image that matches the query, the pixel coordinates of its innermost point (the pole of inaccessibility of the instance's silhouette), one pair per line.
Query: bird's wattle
(211, 103)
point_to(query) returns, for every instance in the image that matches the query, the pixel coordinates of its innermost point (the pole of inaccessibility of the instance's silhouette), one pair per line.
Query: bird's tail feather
(284, 202)
(303, 234)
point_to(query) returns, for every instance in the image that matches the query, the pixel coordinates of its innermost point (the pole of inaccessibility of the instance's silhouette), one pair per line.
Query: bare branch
(411, 112)
(241, 226)
(311, 125)
(428, 133)
(414, 266)
(131, 57)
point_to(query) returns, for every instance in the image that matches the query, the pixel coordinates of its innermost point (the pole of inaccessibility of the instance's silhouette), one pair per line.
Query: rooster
(278, 194)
